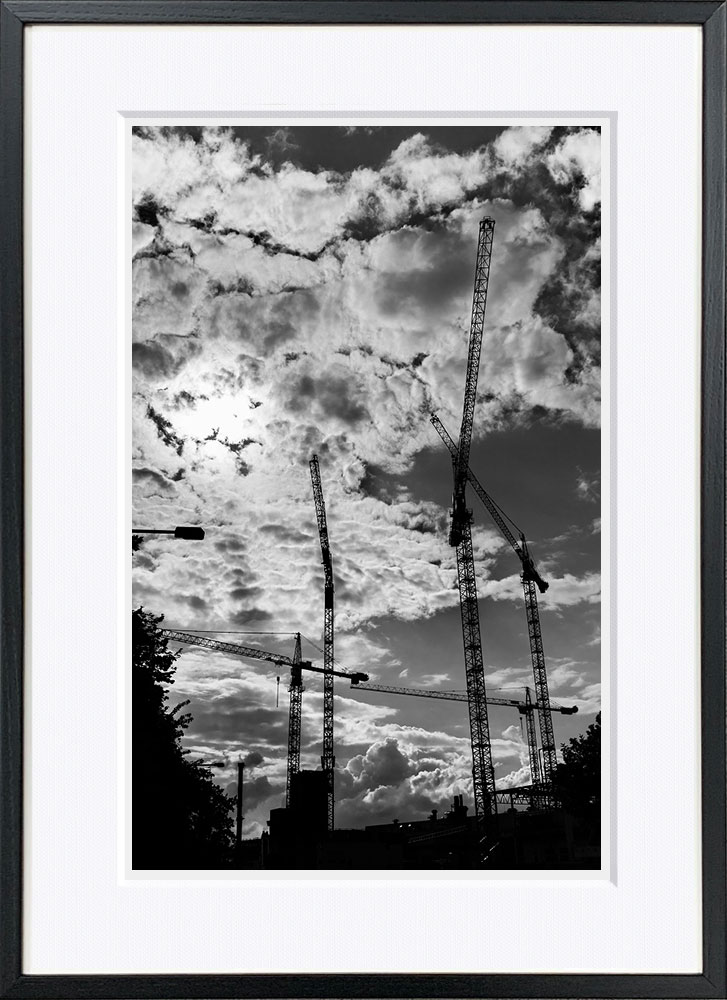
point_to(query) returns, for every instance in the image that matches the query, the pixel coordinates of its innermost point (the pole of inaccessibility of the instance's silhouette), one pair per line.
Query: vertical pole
(238, 828)
(328, 759)
(294, 721)
(547, 739)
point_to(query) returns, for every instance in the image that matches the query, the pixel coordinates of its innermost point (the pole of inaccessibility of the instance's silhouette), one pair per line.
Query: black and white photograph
(366, 468)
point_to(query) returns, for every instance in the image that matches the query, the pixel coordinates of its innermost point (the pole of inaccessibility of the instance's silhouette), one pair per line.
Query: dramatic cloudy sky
(307, 291)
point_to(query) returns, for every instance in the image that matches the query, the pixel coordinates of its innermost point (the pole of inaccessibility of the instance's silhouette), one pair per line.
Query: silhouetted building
(297, 833)
(308, 801)
(534, 839)
(526, 838)
(249, 854)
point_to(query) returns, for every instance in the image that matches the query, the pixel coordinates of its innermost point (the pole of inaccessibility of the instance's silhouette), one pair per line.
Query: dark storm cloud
(250, 616)
(567, 293)
(328, 395)
(380, 484)
(370, 219)
(273, 247)
(424, 524)
(233, 544)
(241, 286)
(258, 238)
(284, 533)
(152, 359)
(445, 273)
(205, 224)
(198, 603)
(147, 211)
(280, 144)
(536, 185)
(165, 430)
(144, 560)
(163, 356)
(258, 790)
(244, 593)
(323, 147)
(261, 323)
(225, 718)
(152, 477)
(235, 447)
(184, 399)
(160, 247)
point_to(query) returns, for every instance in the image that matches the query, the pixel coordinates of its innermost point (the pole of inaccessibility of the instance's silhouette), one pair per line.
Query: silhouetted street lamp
(196, 534)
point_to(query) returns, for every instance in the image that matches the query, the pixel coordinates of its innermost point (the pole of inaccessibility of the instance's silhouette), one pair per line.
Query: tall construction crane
(328, 760)
(535, 776)
(297, 666)
(526, 709)
(295, 712)
(460, 536)
(532, 582)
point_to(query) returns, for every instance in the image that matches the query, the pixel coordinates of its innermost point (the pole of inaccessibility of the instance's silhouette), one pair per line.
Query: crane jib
(519, 546)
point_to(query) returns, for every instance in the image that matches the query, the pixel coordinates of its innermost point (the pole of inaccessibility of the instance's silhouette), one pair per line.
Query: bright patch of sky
(307, 291)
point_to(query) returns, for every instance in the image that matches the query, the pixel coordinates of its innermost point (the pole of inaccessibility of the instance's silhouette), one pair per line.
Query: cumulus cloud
(564, 591)
(282, 310)
(579, 157)
(392, 776)
(395, 777)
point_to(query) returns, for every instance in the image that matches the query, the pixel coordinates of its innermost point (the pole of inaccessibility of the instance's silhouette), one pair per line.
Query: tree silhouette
(578, 779)
(180, 817)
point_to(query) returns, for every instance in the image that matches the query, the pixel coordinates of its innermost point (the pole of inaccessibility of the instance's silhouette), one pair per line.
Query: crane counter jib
(251, 652)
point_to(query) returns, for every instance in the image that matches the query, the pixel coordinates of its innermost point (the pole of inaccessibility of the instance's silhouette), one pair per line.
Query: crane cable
(506, 516)
(337, 662)
(222, 631)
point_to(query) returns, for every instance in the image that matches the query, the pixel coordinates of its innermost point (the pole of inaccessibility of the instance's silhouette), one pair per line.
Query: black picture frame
(711, 15)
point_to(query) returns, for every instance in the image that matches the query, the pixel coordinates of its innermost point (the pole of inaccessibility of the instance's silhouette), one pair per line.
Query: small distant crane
(526, 709)
(296, 664)
(531, 580)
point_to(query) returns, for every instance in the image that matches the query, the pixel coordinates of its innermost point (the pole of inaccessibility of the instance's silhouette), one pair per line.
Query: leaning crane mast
(540, 679)
(294, 719)
(460, 536)
(532, 740)
(532, 582)
(328, 760)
